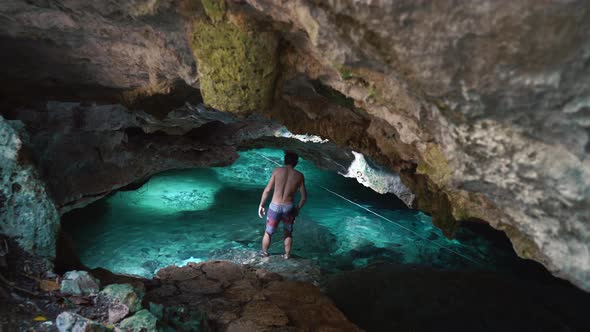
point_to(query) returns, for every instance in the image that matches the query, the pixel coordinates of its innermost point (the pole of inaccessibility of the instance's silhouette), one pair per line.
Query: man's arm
(303, 194)
(265, 193)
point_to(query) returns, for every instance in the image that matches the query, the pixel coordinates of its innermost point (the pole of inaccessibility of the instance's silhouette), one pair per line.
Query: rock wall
(27, 213)
(86, 151)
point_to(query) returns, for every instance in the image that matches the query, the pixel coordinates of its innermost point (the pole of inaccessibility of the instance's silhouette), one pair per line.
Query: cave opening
(196, 215)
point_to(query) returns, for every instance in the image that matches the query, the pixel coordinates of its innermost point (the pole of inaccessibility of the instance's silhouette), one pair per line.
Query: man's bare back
(286, 182)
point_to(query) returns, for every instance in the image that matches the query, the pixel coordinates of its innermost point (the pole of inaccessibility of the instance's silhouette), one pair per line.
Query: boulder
(142, 321)
(117, 312)
(123, 294)
(79, 283)
(71, 322)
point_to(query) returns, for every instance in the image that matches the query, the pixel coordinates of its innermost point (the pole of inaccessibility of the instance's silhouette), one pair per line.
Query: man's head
(291, 158)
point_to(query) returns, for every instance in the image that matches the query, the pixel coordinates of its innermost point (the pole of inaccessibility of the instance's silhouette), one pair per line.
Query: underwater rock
(71, 322)
(79, 283)
(27, 212)
(141, 321)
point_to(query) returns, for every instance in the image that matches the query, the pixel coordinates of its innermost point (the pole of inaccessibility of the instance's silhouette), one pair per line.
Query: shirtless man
(284, 182)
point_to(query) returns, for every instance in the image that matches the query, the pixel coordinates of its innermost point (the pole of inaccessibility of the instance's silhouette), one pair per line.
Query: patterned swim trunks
(277, 213)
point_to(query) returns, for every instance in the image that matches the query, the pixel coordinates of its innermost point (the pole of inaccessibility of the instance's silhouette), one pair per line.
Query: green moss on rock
(237, 60)
(125, 294)
(142, 321)
(215, 9)
(435, 165)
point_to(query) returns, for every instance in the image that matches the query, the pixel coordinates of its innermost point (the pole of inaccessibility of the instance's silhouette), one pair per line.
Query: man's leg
(288, 229)
(288, 242)
(272, 222)
(265, 242)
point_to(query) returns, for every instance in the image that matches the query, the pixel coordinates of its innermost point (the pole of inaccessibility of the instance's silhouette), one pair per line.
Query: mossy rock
(237, 60)
(123, 293)
(142, 321)
(215, 9)
(434, 165)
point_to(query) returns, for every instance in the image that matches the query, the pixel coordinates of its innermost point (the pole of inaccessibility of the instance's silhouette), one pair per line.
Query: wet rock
(141, 321)
(79, 283)
(123, 294)
(71, 322)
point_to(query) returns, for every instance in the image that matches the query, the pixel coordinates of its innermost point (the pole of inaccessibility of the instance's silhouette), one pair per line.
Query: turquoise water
(201, 214)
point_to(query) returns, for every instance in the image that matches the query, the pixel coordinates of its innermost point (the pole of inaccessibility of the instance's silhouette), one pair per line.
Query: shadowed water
(201, 214)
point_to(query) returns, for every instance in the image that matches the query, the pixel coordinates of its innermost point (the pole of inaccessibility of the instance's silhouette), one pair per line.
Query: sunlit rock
(378, 179)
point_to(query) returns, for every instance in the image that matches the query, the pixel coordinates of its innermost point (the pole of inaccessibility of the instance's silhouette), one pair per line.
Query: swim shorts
(277, 213)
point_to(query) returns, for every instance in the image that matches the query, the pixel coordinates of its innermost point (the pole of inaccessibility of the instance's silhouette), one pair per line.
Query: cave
(445, 148)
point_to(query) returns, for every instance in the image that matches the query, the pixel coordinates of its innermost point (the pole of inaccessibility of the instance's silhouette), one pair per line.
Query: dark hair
(291, 158)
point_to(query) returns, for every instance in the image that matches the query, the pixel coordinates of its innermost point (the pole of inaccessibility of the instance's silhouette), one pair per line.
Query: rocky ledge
(209, 296)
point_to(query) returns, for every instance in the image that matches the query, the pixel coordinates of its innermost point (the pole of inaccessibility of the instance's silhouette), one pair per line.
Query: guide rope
(387, 219)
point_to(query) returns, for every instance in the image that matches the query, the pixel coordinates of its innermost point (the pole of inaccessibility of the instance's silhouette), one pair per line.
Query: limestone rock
(79, 283)
(141, 321)
(71, 322)
(26, 211)
(123, 294)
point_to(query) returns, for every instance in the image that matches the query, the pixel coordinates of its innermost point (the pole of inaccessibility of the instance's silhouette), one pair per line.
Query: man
(284, 182)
